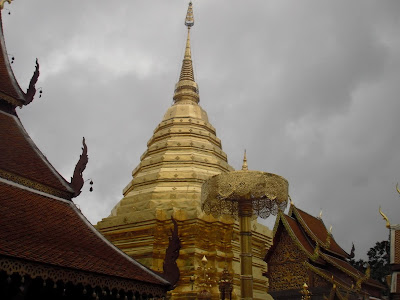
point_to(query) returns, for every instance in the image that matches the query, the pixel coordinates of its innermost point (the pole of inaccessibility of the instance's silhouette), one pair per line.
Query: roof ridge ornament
(30, 93)
(77, 179)
(352, 254)
(385, 218)
(2, 2)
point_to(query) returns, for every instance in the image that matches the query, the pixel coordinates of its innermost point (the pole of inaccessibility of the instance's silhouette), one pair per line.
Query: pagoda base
(144, 236)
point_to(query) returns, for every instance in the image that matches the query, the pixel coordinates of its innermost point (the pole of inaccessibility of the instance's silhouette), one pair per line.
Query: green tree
(378, 260)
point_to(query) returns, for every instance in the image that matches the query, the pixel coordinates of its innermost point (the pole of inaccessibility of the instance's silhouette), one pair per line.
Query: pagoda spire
(186, 88)
(244, 166)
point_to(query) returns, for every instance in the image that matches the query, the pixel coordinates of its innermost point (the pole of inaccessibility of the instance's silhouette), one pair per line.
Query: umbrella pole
(246, 264)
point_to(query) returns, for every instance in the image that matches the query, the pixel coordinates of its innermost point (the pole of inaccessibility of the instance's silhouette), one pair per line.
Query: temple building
(183, 152)
(305, 252)
(395, 261)
(48, 249)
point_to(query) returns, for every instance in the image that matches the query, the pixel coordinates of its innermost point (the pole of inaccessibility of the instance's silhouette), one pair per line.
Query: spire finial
(244, 166)
(186, 88)
(189, 21)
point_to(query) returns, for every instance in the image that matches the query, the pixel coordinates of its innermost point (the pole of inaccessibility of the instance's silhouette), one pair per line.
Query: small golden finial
(2, 2)
(330, 229)
(320, 214)
(189, 20)
(385, 217)
(368, 271)
(397, 188)
(306, 294)
(244, 166)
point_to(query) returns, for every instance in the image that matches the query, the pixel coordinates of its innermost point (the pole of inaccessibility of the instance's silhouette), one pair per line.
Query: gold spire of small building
(244, 166)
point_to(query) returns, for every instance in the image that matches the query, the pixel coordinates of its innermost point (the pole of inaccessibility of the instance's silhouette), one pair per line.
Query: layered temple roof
(10, 91)
(43, 235)
(318, 252)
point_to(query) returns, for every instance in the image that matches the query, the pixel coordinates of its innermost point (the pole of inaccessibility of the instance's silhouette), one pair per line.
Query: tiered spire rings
(186, 88)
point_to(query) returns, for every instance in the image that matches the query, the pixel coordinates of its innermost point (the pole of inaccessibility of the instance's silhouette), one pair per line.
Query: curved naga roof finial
(77, 179)
(385, 218)
(352, 251)
(30, 93)
(397, 188)
(170, 268)
(4, 1)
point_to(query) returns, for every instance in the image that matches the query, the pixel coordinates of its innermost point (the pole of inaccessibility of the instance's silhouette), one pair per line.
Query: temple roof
(317, 231)
(41, 228)
(325, 256)
(46, 229)
(21, 161)
(10, 91)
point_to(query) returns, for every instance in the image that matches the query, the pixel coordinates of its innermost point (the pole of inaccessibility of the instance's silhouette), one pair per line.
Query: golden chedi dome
(182, 153)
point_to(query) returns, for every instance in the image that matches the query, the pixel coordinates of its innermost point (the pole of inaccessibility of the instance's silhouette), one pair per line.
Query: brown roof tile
(20, 156)
(318, 229)
(343, 264)
(46, 230)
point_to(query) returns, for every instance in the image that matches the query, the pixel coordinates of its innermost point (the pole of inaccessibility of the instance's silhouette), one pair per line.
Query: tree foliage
(378, 260)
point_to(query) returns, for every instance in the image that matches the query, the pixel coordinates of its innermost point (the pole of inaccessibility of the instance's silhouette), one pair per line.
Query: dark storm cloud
(309, 88)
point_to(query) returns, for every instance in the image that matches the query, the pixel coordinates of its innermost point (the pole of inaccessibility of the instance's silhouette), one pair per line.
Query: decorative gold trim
(309, 231)
(33, 184)
(326, 277)
(76, 277)
(344, 270)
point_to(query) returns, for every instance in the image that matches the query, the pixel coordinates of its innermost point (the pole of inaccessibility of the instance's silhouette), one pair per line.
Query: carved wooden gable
(286, 266)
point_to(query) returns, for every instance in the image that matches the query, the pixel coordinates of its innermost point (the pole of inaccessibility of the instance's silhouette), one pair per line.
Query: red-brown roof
(316, 229)
(21, 157)
(300, 236)
(9, 85)
(344, 265)
(52, 231)
(294, 226)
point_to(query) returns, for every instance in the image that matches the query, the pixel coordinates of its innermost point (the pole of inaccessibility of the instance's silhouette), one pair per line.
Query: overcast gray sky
(310, 89)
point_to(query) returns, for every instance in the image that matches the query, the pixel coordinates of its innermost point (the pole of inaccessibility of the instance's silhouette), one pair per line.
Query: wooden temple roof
(42, 232)
(9, 88)
(317, 231)
(325, 257)
(23, 162)
(46, 229)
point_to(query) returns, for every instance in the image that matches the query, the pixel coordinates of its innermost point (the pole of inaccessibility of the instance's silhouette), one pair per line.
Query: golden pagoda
(182, 154)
